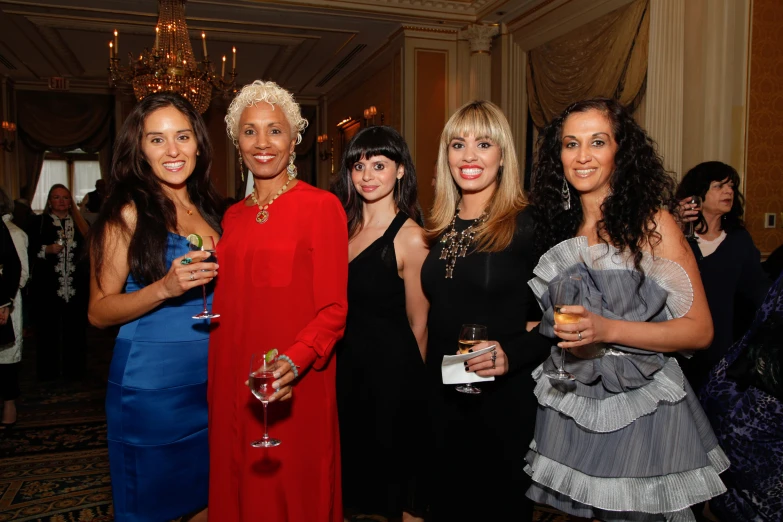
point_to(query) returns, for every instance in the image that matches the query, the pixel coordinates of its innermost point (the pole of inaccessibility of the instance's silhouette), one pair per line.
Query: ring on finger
(579, 335)
(193, 276)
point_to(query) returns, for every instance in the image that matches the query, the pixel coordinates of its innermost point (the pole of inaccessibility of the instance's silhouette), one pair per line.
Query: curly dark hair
(132, 182)
(369, 142)
(697, 182)
(639, 186)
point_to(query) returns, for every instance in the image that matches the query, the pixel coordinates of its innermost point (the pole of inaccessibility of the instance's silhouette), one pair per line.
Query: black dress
(59, 292)
(481, 440)
(380, 389)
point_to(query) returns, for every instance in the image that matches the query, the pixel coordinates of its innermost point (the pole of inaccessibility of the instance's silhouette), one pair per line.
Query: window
(75, 169)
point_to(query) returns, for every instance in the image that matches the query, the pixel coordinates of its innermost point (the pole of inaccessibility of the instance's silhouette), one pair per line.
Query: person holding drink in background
(729, 262)
(58, 287)
(282, 294)
(148, 277)
(380, 360)
(619, 434)
(476, 273)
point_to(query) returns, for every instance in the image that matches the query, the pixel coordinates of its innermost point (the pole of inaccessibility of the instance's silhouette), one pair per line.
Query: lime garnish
(270, 355)
(195, 240)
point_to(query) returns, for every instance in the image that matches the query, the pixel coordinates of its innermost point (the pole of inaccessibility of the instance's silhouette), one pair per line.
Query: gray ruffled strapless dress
(628, 440)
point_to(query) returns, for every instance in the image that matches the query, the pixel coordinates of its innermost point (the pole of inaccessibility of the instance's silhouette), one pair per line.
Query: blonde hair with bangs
(264, 92)
(480, 119)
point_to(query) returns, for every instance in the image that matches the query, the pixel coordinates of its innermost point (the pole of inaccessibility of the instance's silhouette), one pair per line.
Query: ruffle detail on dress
(668, 275)
(616, 411)
(667, 494)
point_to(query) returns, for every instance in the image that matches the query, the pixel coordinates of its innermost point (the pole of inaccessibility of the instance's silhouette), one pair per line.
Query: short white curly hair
(271, 93)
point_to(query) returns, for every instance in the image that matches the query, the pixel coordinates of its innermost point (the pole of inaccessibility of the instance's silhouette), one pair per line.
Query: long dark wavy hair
(132, 182)
(697, 182)
(369, 142)
(639, 186)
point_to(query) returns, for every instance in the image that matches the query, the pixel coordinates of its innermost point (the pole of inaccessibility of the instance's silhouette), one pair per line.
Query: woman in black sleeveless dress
(380, 367)
(476, 273)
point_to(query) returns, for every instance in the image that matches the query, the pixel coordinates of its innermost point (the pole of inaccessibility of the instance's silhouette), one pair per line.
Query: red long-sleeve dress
(281, 284)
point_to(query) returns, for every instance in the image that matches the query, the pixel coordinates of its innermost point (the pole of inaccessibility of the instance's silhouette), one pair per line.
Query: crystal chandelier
(170, 65)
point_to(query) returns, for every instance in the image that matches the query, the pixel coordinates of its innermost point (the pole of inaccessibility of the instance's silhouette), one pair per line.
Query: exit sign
(58, 83)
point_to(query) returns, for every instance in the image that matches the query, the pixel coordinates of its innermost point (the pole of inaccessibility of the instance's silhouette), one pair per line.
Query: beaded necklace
(263, 214)
(455, 244)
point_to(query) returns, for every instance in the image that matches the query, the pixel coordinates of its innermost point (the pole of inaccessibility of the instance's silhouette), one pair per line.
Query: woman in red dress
(284, 254)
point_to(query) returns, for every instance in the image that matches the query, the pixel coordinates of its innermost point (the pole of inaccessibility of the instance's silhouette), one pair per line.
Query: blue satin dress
(156, 408)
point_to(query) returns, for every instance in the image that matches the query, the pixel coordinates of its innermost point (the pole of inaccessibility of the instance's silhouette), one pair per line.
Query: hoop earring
(291, 168)
(241, 168)
(565, 194)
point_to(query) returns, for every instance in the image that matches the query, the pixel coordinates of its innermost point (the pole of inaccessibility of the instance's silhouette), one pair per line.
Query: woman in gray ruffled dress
(627, 438)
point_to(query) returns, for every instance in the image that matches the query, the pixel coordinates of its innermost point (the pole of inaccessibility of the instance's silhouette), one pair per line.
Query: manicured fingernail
(470, 350)
(467, 369)
(276, 385)
(276, 375)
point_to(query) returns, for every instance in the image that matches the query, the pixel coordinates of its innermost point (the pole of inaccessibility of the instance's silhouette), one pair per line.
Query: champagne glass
(262, 369)
(469, 336)
(695, 200)
(567, 291)
(207, 245)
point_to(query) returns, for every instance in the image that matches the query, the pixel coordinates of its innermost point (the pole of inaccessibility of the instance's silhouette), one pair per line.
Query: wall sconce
(369, 114)
(323, 152)
(7, 143)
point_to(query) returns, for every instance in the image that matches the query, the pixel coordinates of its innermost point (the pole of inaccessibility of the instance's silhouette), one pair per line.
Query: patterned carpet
(54, 464)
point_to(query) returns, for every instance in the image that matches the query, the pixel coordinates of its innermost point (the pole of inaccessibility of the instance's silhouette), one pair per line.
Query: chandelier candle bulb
(116, 43)
(204, 45)
(157, 39)
(233, 59)
(111, 50)
(223, 67)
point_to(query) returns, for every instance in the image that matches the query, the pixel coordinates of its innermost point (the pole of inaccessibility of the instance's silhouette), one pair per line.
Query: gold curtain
(606, 57)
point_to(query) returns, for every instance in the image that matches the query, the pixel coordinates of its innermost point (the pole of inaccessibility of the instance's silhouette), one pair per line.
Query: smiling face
(265, 140)
(60, 201)
(719, 198)
(374, 177)
(169, 146)
(588, 150)
(474, 163)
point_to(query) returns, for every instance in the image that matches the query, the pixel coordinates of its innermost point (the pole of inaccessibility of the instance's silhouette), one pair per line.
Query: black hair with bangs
(367, 143)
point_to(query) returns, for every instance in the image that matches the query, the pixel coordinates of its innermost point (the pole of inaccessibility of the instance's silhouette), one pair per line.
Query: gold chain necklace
(263, 215)
(455, 244)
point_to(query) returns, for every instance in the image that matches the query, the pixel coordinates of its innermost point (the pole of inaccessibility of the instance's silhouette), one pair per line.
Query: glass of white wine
(469, 336)
(208, 244)
(262, 370)
(695, 200)
(567, 291)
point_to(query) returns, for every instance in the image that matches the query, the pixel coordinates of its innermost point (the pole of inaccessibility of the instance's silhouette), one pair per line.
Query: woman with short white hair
(284, 254)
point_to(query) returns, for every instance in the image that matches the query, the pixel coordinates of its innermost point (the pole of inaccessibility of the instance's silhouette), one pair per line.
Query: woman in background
(285, 259)
(147, 277)
(380, 360)
(477, 270)
(729, 262)
(11, 352)
(626, 439)
(59, 286)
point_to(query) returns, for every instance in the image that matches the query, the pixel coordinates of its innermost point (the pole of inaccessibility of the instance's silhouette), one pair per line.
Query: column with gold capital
(480, 38)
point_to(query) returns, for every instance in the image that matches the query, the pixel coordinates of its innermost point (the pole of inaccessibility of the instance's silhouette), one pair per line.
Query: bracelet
(294, 368)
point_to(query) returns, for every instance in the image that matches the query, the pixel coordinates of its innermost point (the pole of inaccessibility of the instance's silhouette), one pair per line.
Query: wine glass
(469, 336)
(567, 291)
(262, 369)
(207, 245)
(695, 200)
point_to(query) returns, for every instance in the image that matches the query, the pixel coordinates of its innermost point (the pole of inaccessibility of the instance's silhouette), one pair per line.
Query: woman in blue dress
(146, 277)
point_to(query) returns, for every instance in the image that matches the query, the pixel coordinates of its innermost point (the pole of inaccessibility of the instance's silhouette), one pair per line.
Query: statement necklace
(455, 244)
(263, 215)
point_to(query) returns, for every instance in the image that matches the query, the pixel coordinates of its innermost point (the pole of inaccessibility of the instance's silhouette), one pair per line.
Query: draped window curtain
(60, 122)
(607, 57)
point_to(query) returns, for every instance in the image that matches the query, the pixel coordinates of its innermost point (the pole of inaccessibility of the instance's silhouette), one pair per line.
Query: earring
(565, 193)
(399, 193)
(241, 168)
(291, 168)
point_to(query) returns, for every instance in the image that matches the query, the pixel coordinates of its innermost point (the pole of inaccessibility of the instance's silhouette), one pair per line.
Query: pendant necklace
(263, 214)
(455, 244)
